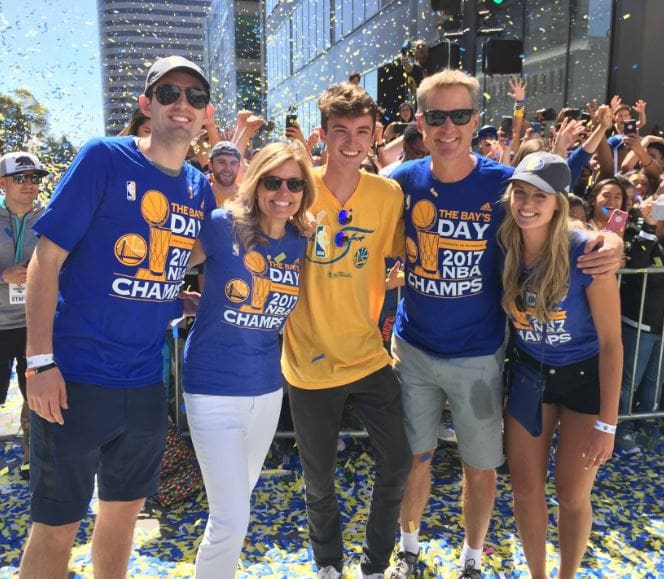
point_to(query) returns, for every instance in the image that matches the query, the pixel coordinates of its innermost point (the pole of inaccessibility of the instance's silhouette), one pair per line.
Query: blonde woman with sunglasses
(253, 249)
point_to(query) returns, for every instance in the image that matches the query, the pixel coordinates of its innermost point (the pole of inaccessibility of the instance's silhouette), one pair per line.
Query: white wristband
(39, 360)
(604, 427)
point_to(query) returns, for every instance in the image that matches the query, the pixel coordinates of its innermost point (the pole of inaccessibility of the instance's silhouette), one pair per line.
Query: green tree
(24, 126)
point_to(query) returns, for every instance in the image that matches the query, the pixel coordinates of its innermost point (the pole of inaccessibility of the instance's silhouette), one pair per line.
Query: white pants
(231, 436)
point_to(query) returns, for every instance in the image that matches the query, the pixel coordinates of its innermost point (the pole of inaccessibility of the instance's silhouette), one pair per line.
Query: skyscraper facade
(133, 35)
(234, 47)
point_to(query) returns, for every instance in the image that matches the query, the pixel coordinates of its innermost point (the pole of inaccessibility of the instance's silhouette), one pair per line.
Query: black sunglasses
(167, 94)
(22, 178)
(457, 116)
(273, 183)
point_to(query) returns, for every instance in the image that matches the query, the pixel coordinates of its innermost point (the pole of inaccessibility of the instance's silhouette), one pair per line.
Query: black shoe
(469, 571)
(24, 471)
(404, 566)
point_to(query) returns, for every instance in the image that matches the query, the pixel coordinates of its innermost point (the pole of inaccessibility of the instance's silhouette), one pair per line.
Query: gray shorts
(473, 386)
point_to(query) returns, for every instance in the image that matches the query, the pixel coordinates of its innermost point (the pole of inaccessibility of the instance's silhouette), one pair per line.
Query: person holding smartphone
(564, 372)
(605, 196)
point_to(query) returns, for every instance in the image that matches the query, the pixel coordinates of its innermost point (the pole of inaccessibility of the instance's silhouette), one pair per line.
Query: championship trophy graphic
(155, 210)
(260, 286)
(424, 216)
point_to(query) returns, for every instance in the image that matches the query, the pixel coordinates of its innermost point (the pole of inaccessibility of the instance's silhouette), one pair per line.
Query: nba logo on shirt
(131, 190)
(321, 241)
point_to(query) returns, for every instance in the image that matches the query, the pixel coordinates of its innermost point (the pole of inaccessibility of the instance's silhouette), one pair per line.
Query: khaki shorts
(473, 386)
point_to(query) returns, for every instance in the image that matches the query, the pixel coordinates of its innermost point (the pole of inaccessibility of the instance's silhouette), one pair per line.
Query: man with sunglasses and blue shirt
(103, 284)
(333, 349)
(449, 330)
(20, 176)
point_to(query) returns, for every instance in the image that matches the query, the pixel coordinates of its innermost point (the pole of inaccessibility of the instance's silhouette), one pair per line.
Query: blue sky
(51, 47)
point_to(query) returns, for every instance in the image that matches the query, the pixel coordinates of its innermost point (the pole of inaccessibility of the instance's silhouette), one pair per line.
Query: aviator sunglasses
(344, 218)
(167, 94)
(457, 116)
(23, 178)
(273, 183)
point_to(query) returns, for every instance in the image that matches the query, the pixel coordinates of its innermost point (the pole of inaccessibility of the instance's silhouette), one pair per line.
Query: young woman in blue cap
(565, 369)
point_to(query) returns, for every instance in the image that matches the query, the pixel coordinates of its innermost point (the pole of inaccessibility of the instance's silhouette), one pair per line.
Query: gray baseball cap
(165, 65)
(546, 171)
(21, 162)
(225, 148)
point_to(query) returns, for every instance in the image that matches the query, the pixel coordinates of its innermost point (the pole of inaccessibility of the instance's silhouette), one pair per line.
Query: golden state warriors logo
(533, 163)
(360, 257)
(130, 249)
(237, 290)
(411, 250)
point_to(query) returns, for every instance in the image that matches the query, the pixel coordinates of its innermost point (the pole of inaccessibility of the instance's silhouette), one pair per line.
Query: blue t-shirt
(616, 141)
(129, 229)
(233, 347)
(451, 304)
(575, 161)
(570, 335)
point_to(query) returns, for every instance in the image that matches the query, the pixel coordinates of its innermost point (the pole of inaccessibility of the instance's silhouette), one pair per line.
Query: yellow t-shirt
(332, 336)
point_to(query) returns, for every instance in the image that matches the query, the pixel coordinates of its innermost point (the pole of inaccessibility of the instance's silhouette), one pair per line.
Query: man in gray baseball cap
(225, 159)
(163, 66)
(125, 211)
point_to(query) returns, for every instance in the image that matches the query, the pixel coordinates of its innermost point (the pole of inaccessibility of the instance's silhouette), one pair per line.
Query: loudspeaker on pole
(503, 56)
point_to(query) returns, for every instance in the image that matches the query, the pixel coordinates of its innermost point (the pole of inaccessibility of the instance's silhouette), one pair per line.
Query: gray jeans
(317, 419)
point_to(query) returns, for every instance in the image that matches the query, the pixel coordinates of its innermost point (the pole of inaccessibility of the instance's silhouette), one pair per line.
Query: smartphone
(585, 117)
(629, 127)
(506, 126)
(572, 113)
(658, 209)
(291, 121)
(617, 220)
(537, 128)
(548, 114)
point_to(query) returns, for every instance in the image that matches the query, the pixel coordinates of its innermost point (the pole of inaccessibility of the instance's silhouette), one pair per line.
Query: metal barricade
(176, 365)
(646, 273)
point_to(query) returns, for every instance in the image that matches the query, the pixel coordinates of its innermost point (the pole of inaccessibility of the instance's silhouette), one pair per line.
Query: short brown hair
(345, 100)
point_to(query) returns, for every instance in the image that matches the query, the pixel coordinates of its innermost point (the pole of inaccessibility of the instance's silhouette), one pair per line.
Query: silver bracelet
(604, 427)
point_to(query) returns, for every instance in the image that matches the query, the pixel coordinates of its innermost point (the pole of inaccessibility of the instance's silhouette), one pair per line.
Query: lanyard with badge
(16, 290)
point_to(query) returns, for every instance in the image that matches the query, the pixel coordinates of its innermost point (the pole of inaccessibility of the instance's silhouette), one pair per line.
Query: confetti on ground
(626, 541)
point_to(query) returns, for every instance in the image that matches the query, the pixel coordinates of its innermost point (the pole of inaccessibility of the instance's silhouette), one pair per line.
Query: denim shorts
(473, 387)
(117, 434)
(575, 386)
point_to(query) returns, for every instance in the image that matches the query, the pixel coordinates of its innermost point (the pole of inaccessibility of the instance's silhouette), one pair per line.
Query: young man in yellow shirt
(333, 349)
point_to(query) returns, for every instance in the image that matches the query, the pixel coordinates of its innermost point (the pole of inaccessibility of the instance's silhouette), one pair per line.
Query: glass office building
(234, 45)
(311, 44)
(134, 34)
